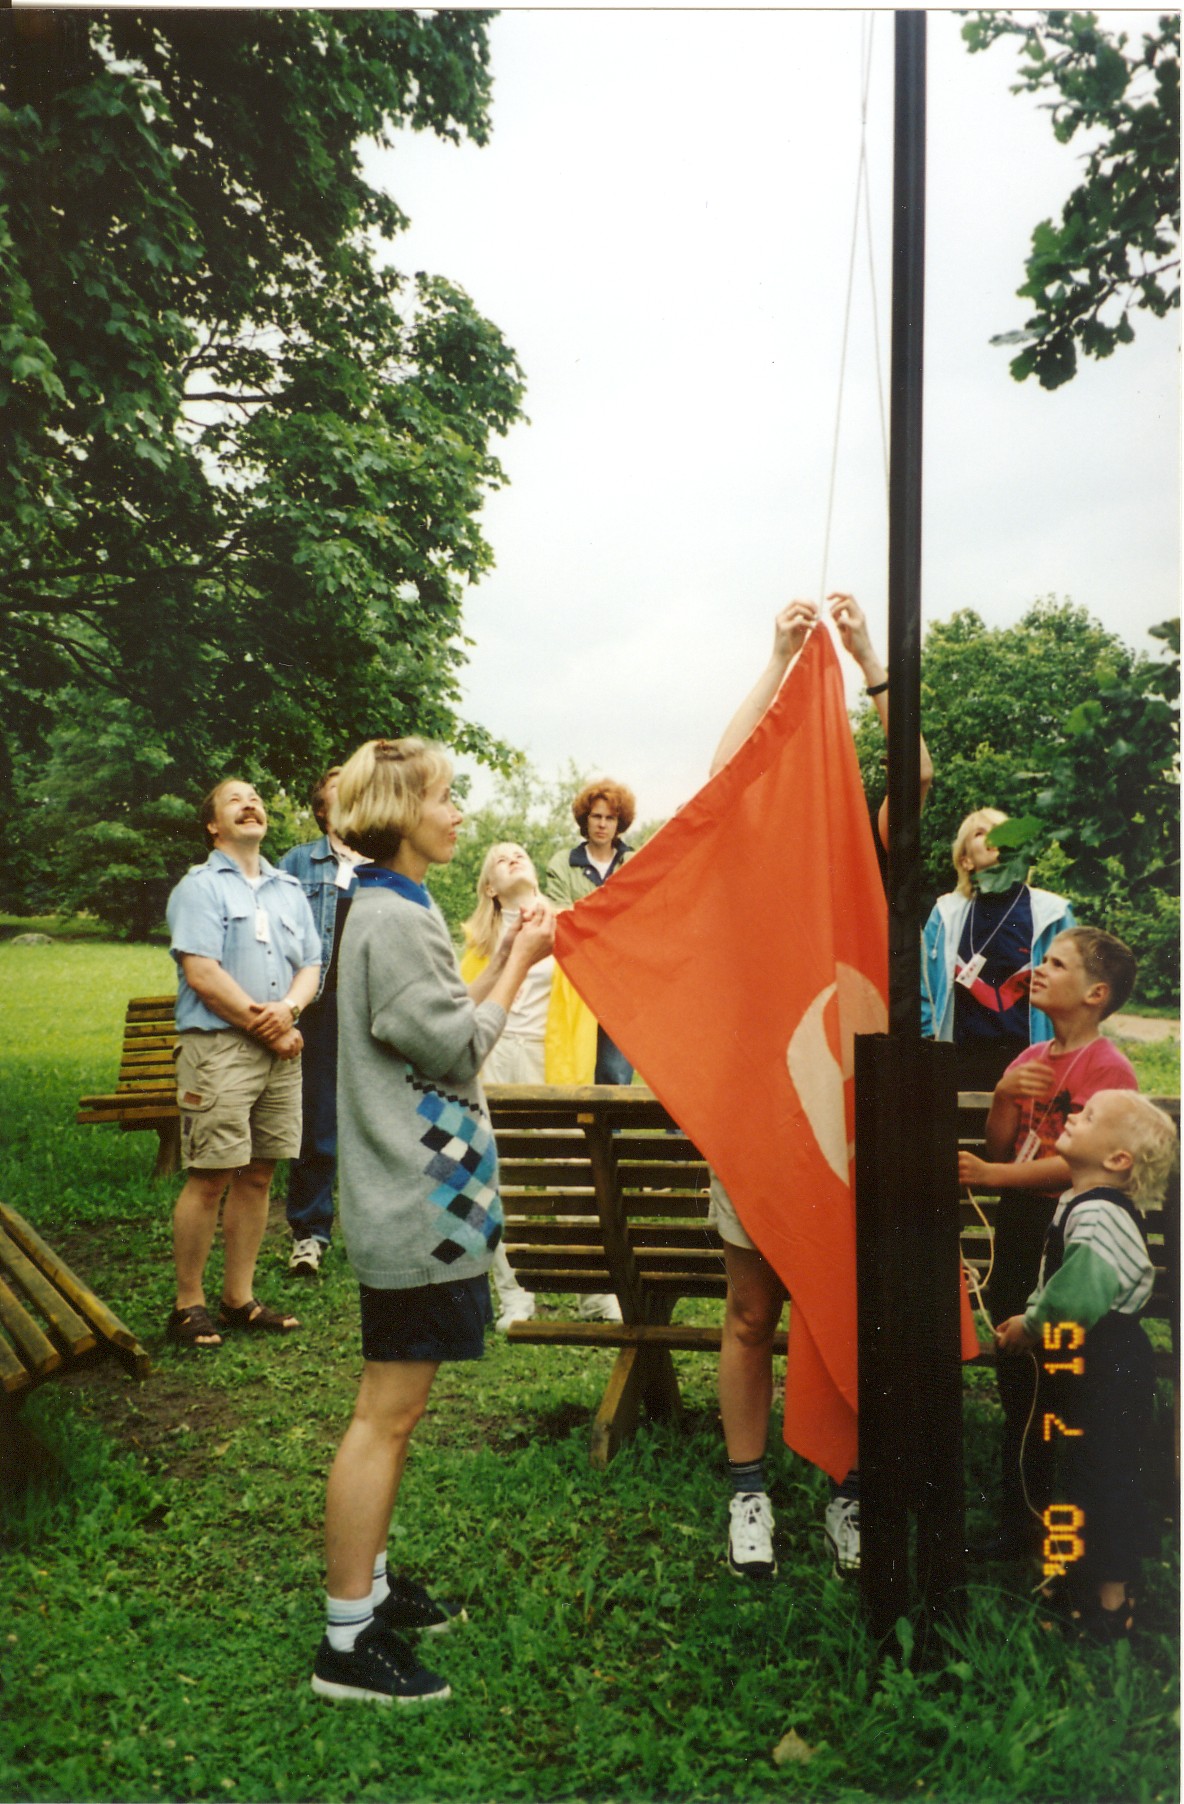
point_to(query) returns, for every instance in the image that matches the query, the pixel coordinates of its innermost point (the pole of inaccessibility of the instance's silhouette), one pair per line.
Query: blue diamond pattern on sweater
(463, 1165)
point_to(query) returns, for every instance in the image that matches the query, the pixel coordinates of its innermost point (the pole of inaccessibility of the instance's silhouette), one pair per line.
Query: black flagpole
(910, 1382)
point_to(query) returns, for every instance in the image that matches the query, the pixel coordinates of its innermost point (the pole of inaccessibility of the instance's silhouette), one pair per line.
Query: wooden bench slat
(540, 1144)
(581, 1283)
(548, 1175)
(643, 1236)
(141, 1116)
(14, 1377)
(65, 1321)
(37, 1352)
(672, 1335)
(71, 1286)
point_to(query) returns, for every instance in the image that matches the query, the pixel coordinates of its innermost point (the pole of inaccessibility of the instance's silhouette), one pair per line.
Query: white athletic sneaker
(599, 1308)
(842, 1531)
(750, 1536)
(518, 1308)
(306, 1256)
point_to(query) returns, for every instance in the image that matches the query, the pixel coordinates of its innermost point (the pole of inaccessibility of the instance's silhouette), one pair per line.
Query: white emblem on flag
(818, 1077)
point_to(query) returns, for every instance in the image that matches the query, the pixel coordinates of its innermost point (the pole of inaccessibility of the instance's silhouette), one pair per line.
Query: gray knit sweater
(418, 1165)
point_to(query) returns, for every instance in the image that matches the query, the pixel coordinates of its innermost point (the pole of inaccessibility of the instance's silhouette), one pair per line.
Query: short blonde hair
(1149, 1136)
(483, 928)
(381, 792)
(982, 817)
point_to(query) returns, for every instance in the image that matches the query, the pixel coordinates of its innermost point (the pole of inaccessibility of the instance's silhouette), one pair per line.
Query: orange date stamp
(1064, 1523)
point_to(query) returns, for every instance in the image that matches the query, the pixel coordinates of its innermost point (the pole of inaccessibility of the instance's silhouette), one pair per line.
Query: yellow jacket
(569, 1045)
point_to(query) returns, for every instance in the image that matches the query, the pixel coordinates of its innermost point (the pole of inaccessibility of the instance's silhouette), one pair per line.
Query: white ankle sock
(381, 1587)
(348, 1616)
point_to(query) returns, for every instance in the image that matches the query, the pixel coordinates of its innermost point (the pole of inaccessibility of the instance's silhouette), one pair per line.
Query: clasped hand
(534, 933)
(271, 1024)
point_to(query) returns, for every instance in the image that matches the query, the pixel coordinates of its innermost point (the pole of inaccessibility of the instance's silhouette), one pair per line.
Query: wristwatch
(295, 1011)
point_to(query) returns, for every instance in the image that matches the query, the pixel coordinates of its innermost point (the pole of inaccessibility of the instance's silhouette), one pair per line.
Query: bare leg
(195, 1221)
(364, 1481)
(753, 1310)
(244, 1221)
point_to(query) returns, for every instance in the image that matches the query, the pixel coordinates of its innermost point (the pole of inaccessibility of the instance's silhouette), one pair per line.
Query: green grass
(1157, 1065)
(162, 1586)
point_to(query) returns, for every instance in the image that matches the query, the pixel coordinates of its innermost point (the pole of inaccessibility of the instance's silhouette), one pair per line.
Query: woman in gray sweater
(420, 1212)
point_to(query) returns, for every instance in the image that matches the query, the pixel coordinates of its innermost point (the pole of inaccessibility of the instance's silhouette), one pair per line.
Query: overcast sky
(661, 226)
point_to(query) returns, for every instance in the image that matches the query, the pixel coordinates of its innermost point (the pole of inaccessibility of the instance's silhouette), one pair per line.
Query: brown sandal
(257, 1318)
(191, 1327)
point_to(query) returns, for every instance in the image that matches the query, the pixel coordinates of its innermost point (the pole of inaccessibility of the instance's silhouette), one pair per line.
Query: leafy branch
(1116, 245)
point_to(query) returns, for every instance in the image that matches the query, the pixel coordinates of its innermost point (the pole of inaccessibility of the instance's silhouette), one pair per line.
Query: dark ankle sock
(747, 1475)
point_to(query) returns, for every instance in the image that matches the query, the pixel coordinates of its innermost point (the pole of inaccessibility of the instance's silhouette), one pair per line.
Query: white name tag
(967, 973)
(262, 927)
(1030, 1149)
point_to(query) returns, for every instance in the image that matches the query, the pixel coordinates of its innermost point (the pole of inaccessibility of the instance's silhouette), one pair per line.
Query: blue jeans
(612, 1067)
(310, 1177)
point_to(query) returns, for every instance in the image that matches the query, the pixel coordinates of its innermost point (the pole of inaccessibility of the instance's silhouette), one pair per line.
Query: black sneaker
(407, 1609)
(380, 1667)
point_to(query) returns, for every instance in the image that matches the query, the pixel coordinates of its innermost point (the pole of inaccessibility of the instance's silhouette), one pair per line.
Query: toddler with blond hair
(1096, 1374)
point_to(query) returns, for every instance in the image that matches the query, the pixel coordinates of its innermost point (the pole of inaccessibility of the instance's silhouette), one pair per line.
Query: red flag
(733, 959)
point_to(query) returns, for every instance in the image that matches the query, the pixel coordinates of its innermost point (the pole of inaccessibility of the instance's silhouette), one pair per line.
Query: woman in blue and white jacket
(978, 952)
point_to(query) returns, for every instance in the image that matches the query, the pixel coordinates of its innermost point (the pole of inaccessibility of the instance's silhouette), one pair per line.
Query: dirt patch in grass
(554, 1425)
(89, 1248)
(176, 1428)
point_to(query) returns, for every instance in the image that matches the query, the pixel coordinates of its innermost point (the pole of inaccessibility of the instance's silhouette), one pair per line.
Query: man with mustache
(248, 959)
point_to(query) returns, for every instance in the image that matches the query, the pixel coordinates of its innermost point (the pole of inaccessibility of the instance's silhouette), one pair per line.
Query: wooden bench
(50, 1323)
(145, 1095)
(602, 1193)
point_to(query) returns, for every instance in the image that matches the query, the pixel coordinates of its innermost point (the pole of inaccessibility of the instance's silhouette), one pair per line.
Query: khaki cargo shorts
(237, 1100)
(723, 1218)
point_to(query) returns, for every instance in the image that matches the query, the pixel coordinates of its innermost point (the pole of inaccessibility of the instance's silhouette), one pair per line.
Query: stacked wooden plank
(50, 1321)
(145, 1095)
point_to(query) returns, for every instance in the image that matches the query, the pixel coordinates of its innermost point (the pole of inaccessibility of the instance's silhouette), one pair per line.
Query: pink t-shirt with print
(1080, 1075)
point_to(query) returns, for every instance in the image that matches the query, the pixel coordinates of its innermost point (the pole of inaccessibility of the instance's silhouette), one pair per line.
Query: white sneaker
(306, 1256)
(750, 1536)
(519, 1308)
(841, 1523)
(599, 1308)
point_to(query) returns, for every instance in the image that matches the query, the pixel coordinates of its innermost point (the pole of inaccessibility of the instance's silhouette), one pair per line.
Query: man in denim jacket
(325, 871)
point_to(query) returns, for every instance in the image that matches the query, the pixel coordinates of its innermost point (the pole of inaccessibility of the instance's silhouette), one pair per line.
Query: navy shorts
(431, 1322)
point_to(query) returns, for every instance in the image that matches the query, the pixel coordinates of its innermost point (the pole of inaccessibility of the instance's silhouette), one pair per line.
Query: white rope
(867, 30)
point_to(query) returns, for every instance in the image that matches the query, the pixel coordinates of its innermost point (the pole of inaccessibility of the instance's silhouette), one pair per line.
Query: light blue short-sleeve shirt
(261, 936)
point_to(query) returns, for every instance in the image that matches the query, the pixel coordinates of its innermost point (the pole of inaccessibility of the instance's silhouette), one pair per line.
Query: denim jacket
(315, 867)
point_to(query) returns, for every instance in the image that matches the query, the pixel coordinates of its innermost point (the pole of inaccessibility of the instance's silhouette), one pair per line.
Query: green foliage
(243, 456)
(1106, 827)
(1058, 724)
(1116, 247)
